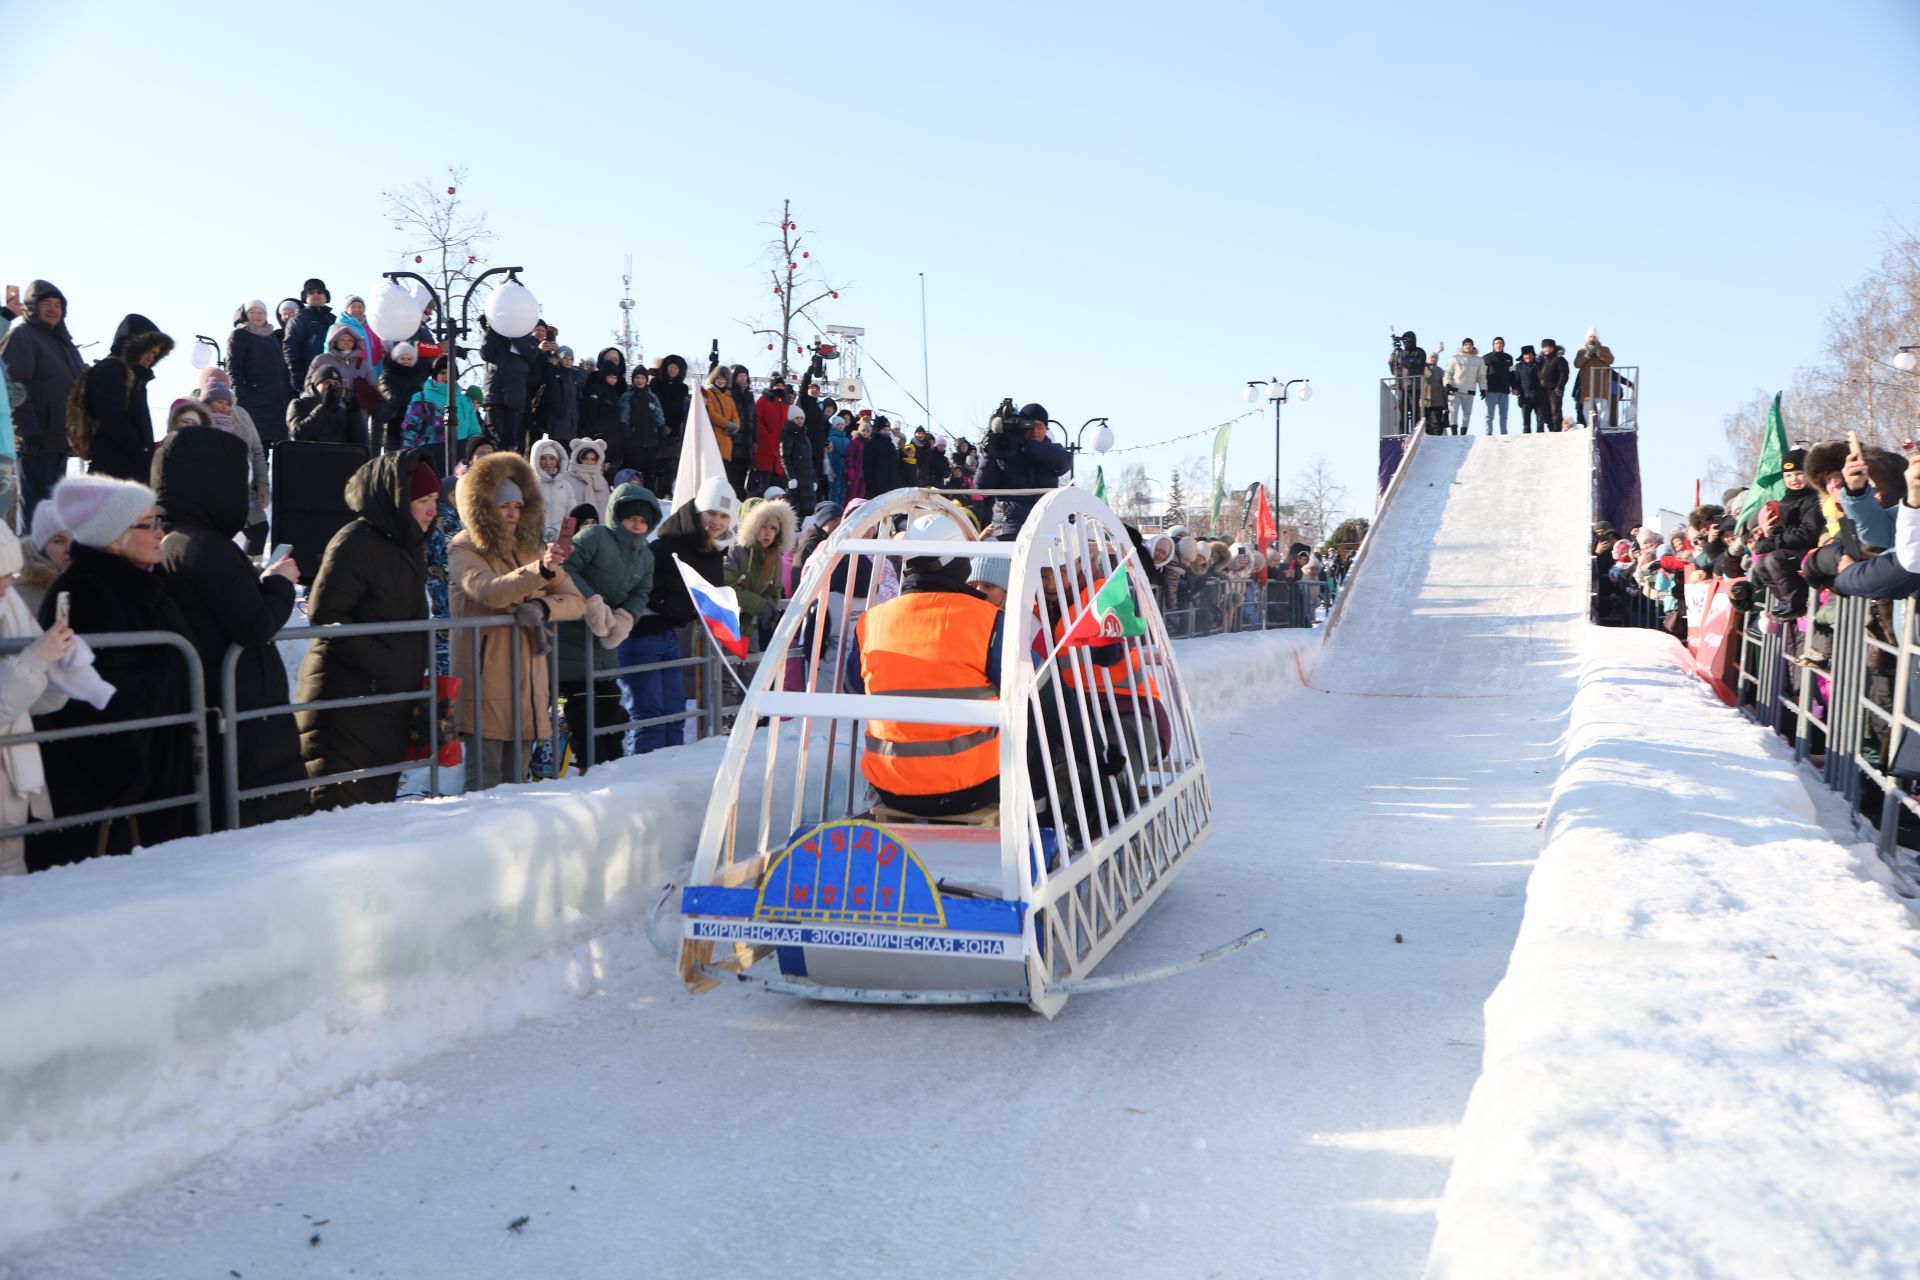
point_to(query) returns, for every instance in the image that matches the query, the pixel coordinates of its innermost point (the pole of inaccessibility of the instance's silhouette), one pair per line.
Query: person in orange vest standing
(937, 639)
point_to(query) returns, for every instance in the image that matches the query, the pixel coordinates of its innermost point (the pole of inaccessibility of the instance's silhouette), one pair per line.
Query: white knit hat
(11, 558)
(715, 494)
(99, 508)
(46, 525)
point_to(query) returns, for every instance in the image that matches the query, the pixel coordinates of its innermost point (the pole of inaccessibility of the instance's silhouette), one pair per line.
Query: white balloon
(394, 313)
(512, 310)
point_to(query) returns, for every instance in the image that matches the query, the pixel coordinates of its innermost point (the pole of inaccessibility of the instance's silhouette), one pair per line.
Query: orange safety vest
(928, 645)
(1122, 678)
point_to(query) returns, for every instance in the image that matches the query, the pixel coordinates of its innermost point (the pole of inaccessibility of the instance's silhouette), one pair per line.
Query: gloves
(599, 618)
(618, 631)
(532, 615)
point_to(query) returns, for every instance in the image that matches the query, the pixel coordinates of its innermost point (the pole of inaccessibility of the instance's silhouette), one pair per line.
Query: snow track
(1289, 1111)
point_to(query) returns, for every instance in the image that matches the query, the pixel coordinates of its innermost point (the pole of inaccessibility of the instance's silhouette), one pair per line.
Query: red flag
(1266, 533)
(1696, 491)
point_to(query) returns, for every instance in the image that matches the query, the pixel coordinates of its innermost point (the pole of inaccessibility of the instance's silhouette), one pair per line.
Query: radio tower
(629, 345)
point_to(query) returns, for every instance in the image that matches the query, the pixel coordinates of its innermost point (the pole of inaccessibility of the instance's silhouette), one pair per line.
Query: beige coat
(489, 571)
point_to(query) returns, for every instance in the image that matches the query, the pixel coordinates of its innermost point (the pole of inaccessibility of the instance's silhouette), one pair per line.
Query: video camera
(1005, 430)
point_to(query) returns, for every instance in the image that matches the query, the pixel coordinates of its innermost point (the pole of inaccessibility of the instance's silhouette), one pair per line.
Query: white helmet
(936, 526)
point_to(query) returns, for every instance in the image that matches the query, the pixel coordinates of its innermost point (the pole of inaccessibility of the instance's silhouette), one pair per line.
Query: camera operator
(1019, 456)
(1408, 365)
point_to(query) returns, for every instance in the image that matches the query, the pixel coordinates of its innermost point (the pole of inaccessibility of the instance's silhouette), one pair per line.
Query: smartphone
(1853, 444)
(61, 603)
(565, 540)
(279, 553)
(13, 296)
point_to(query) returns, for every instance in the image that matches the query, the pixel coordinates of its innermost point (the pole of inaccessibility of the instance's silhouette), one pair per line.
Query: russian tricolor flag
(719, 609)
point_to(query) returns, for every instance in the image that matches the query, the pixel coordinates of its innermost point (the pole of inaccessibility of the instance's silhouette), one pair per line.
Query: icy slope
(1476, 579)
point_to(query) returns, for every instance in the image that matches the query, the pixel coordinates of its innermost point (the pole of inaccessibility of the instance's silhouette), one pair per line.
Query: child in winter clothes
(559, 491)
(589, 479)
(754, 565)
(48, 555)
(23, 694)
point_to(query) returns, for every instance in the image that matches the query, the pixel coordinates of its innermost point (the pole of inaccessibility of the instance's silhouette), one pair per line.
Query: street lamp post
(1905, 360)
(1102, 442)
(396, 319)
(1278, 392)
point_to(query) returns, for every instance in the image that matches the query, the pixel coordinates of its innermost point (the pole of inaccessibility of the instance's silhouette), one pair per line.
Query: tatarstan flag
(1108, 616)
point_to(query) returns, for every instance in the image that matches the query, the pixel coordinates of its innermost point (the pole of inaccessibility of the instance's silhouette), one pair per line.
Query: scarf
(435, 393)
(259, 330)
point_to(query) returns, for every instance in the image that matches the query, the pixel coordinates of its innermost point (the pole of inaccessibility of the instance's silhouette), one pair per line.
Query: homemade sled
(804, 885)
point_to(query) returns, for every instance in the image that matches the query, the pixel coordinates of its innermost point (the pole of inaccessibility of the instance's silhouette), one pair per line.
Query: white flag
(699, 451)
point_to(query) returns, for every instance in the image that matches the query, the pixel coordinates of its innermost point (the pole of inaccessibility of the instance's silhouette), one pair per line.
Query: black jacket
(1800, 525)
(556, 400)
(668, 604)
(796, 456)
(200, 475)
(398, 386)
(374, 570)
(117, 401)
(670, 389)
(1526, 382)
(639, 435)
(930, 465)
(1499, 370)
(1028, 464)
(329, 419)
(1553, 376)
(306, 338)
(509, 363)
(817, 427)
(42, 360)
(745, 443)
(880, 464)
(108, 594)
(257, 364)
(599, 402)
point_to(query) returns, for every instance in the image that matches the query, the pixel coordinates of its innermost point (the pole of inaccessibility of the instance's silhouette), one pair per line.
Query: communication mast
(630, 346)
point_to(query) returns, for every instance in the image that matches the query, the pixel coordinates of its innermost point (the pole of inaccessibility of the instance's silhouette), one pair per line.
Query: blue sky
(1121, 210)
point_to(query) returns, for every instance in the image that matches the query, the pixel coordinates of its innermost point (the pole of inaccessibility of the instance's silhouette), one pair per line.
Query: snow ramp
(1475, 575)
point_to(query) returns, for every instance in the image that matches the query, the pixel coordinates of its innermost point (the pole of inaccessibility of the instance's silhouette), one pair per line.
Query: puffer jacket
(1595, 379)
(600, 399)
(42, 364)
(559, 492)
(1466, 371)
(723, 411)
(753, 571)
(641, 422)
(671, 390)
(316, 416)
(589, 480)
(617, 566)
(306, 337)
(491, 570)
(116, 395)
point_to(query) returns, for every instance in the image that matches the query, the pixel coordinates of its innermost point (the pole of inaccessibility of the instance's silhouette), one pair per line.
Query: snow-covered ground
(1700, 1062)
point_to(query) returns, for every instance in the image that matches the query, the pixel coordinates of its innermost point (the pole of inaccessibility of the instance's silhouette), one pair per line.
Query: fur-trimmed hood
(546, 446)
(340, 327)
(480, 513)
(757, 514)
(135, 335)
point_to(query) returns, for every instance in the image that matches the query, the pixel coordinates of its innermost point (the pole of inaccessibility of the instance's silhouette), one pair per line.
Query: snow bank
(1703, 1058)
(157, 1007)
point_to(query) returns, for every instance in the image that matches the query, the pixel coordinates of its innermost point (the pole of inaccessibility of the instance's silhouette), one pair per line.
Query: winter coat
(668, 604)
(837, 442)
(424, 425)
(107, 593)
(1497, 375)
(559, 492)
(882, 463)
(670, 389)
(1526, 382)
(1553, 377)
(1801, 523)
(399, 384)
(556, 400)
(753, 571)
(930, 465)
(239, 425)
(600, 403)
(1035, 464)
(492, 569)
(1466, 372)
(42, 365)
(200, 474)
(353, 366)
(589, 479)
(257, 365)
(796, 458)
(740, 387)
(1410, 363)
(769, 425)
(640, 424)
(856, 481)
(116, 395)
(615, 565)
(1595, 364)
(374, 570)
(816, 418)
(306, 338)
(723, 412)
(328, 419)
(509, 366)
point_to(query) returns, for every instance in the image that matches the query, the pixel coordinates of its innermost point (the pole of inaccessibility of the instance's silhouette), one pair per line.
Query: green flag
(1109, 616)
(1769, 479)
(1100, 483)
(1220, 469)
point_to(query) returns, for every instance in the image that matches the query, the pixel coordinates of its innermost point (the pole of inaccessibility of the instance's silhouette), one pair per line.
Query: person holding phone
(200, 481)
(24, 693)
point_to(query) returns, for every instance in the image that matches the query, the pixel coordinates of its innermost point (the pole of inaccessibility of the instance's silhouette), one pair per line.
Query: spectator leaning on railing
(24, 691)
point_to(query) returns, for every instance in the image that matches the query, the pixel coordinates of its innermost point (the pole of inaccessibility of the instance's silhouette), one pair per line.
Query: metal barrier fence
(1224, 606)
(1842, 693)
(194, 718)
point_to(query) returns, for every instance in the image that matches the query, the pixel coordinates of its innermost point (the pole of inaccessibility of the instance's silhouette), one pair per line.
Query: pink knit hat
(99, 508)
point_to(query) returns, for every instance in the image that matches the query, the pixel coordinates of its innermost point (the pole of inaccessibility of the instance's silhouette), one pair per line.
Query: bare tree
(444, 236)
(797, 283)
(1317, 500)
(1132, 493)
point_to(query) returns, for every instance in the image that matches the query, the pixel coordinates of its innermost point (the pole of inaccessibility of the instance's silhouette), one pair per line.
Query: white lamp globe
(1103, 439)
(394, 313)
(512, 310)
(1306, 391)
(1252, 393)
(1906, 362)
(1276, 391)
(202, 355)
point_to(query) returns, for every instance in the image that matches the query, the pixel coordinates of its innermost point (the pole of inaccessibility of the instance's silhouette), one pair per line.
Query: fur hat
(1795, 460)
(1824, 460)
(405, 349)
(47, 525)
(98, 509)
(315, 284)
(715, 494)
